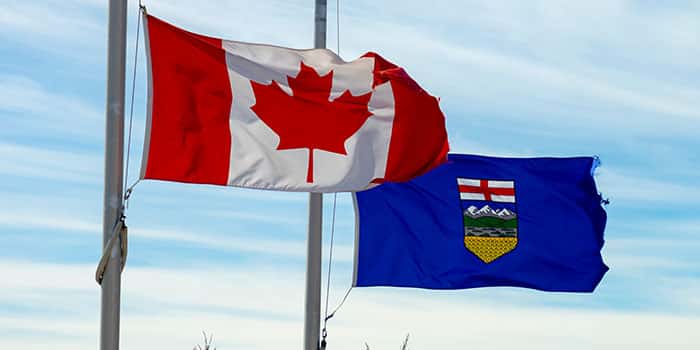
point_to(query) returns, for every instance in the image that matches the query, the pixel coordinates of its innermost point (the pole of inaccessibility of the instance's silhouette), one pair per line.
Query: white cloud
(32, 220)
(276, 219)
(615, 68)
(21, 94)
(260, 307)
(563, 33)
(225, 241)
(43, 163)
(632, 190)
(459, 144)
(544, 64)
(645, 232)
(287, 23)
(531, 63)
(32, 108)
(503, 85)
(641, 265)
(37, 24)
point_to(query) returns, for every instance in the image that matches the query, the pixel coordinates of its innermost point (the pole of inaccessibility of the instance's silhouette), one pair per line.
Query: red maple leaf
(308, 119)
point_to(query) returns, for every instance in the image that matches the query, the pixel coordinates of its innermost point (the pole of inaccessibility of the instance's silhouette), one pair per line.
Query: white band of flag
(472, 196)
(486, 190)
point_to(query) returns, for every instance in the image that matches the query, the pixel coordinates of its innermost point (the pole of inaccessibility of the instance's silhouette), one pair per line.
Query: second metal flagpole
(312, 309)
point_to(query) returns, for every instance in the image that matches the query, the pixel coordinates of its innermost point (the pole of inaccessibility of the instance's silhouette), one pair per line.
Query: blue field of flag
(485, 221)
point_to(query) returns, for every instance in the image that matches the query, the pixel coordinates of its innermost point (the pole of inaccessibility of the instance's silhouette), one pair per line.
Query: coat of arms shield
(490, 217)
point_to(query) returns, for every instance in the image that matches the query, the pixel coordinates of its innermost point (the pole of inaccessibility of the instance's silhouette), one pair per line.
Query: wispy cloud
(76, 27)
(287, 23)
(32, 220)
(269, 218)
(42, 163)
(224, 241)
(242, 305)
(21, 94)
(632, 190)
(516, 87)
(31, 108)
(516, 79)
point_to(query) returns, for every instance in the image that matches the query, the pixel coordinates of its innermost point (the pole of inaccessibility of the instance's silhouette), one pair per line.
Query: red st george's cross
(486, 190)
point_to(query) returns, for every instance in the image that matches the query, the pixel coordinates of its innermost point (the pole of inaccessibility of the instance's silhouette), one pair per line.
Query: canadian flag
(260, 116)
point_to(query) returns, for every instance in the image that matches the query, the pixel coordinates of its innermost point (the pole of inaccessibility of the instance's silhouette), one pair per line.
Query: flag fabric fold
(480, 221)
(260, 116)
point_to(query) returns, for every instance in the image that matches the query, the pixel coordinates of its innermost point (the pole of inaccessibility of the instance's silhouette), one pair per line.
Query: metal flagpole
(312, 315)
(114, 167)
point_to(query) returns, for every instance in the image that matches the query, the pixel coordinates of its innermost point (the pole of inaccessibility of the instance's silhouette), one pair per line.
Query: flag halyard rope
(337, 26)
(129, 189)
(324, 331)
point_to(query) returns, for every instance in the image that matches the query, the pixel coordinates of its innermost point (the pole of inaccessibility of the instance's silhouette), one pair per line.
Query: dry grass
(207, 343)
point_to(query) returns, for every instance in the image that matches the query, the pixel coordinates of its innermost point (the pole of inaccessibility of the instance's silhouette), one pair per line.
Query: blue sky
(618, 79)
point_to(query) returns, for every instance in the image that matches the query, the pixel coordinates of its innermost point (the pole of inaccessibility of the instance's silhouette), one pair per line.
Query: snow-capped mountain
(505, 212)
(486, 210)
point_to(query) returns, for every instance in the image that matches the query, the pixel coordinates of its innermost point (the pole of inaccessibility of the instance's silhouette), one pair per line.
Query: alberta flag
(485, 221)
